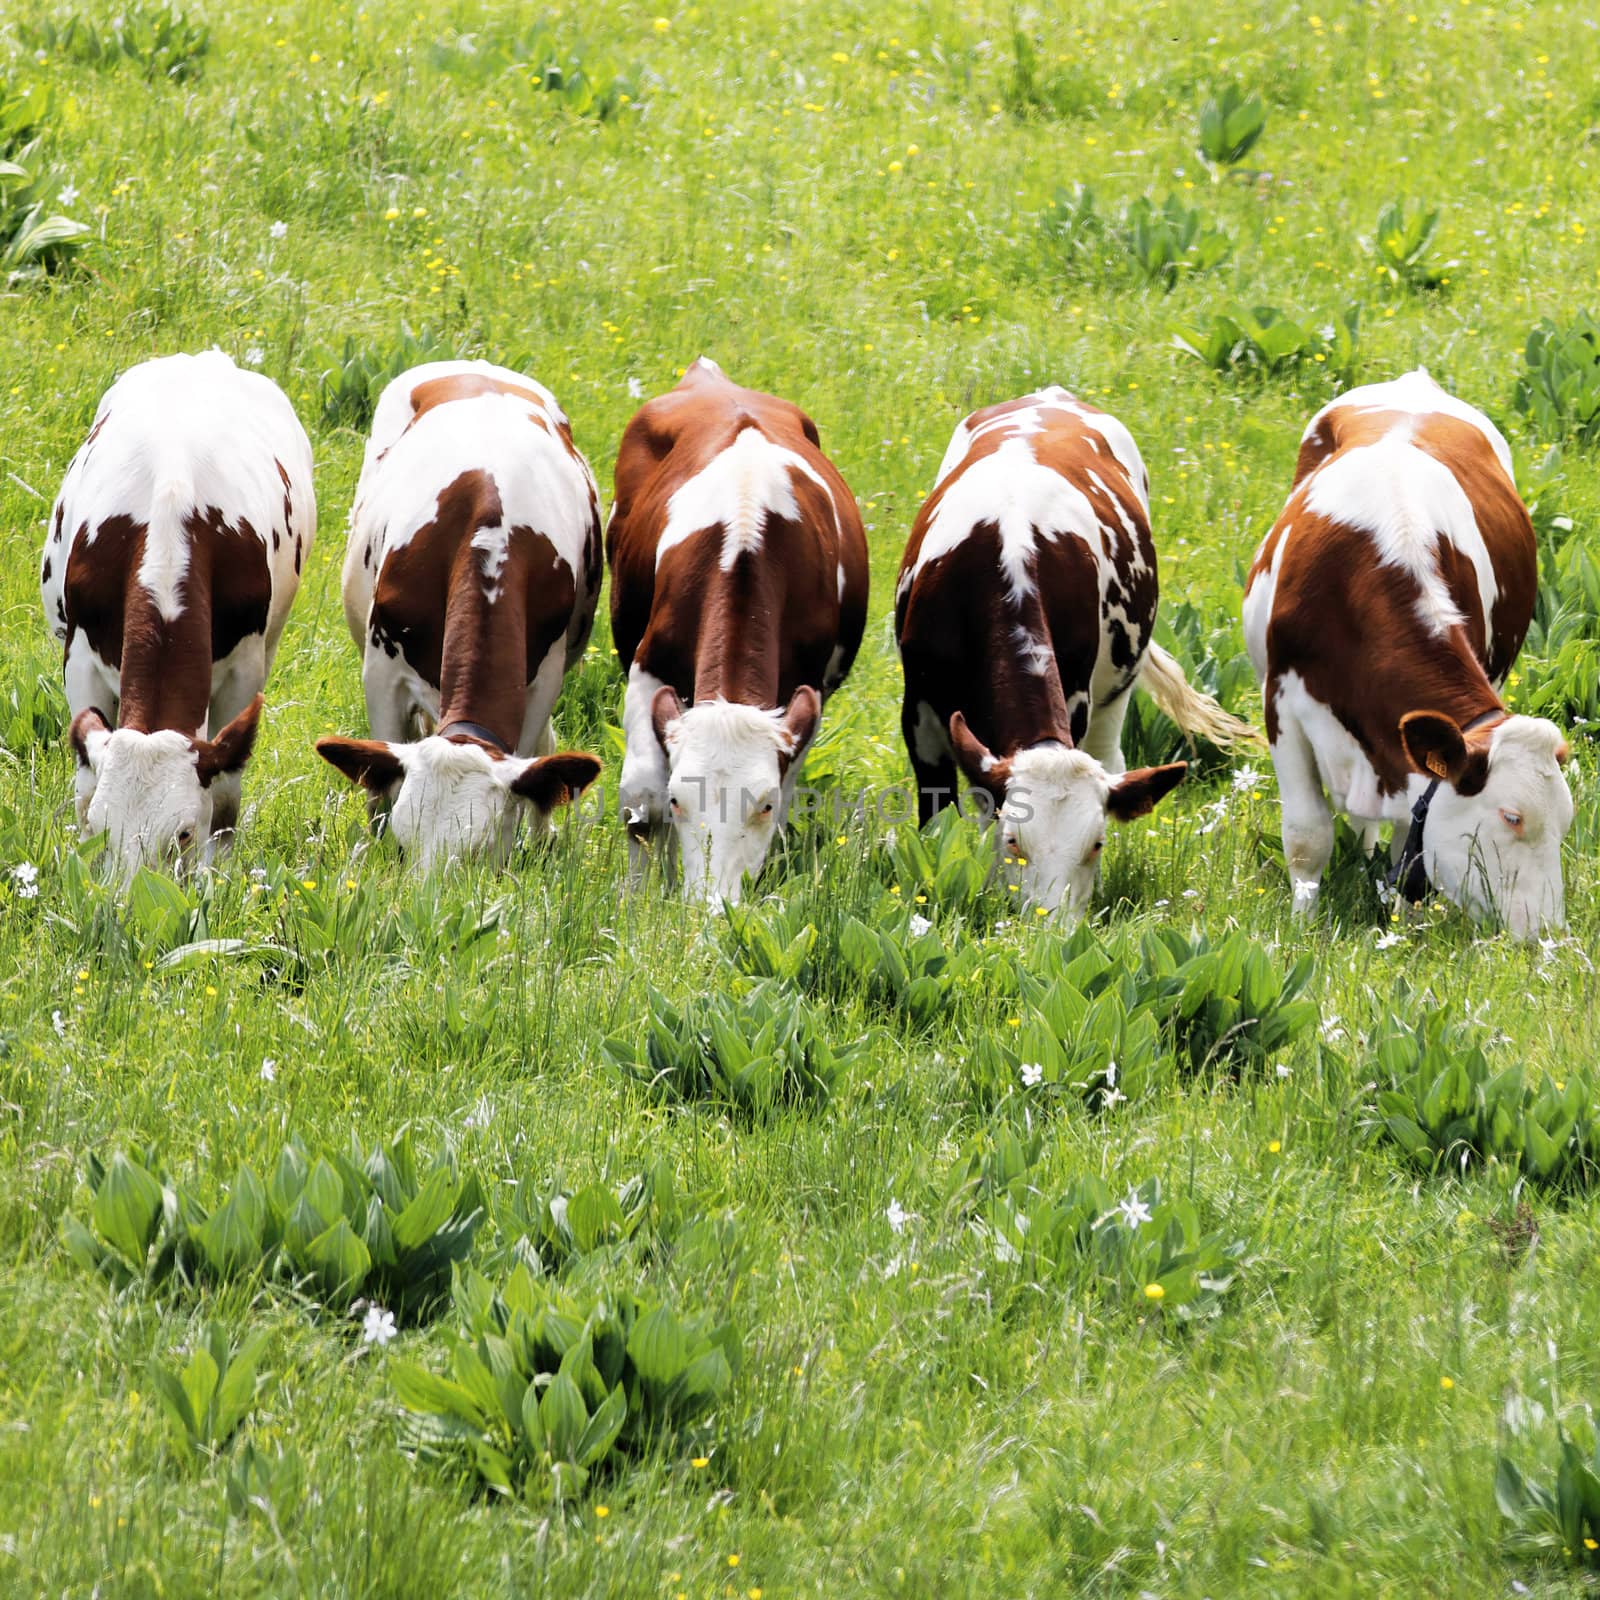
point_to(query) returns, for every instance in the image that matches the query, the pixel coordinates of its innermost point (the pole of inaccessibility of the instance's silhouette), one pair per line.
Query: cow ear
(800, 719)
(1135, 793)
(979, 764)
(231, 748)
(370, 762)
(551, 781)
(1434, 744)
(665, 709)
(88, 733)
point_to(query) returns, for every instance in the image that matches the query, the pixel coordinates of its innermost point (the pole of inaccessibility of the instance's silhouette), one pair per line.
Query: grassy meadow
(953, 1375)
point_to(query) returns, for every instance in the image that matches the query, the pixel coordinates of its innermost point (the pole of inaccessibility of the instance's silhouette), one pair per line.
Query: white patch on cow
(642, 786)
(1418, 394)
(1024, 498)
(740, 489)
(727, 792)
(146, 798)
(1406, 500)
(929, 737)
(839, 574)
(1036, 655)
(1052, 825)
(1498, 852)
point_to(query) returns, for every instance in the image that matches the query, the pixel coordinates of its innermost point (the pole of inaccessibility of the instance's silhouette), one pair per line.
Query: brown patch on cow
(959, 626)
(61, 512)
(466, 386)
(776, 620)
(1348, 625)
(164, 666)
(433, 603)
(45, 571)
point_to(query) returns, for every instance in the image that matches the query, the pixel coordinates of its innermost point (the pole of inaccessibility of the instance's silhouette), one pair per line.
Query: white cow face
(150, 793)
(726, 771)
(1053, 805)
(1492, 842)
(453, 799)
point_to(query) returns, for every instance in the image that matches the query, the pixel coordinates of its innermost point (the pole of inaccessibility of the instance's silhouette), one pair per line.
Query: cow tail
(1195, 712)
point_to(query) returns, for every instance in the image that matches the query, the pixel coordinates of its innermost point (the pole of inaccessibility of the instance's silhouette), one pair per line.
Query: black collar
(1408, 875)
(474, 730)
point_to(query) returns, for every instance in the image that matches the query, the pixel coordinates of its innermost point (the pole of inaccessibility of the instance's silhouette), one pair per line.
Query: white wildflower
(635, 389)
(58, 1022)
(1112, 1097)
(69, 193)
(379, 1327)
(1245, 778)
(254, 356)
(1032, 1074)
(558, 1211)
(1284, 1070)
(279, 230)
(891, 1268)
(898, 1217)
(1387, 941)
(269, 1070)
(1134, 1211)
(919, 925)
(26, 878)
(1111, 1074)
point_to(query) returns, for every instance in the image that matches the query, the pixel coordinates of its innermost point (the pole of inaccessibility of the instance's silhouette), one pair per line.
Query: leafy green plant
(1402, 244)
(34, 240)
(161, 40)
(213, 1392)
(1264, 340)
(1231, 122)
(1032, 90)
(1559, 390)
(355, 376)
(344, 1224)
(1146, 1250)
(271, 1486)
(1101, 1049)
(754, 1054)
(1560, 1517)
(584, 84)
(1447, 1106)
(546, 1391)
(895, 961)
(1171, 240)
(948, 862)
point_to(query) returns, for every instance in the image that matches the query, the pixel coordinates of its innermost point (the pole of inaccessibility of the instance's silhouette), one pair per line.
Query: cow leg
(234, 684)
(87, 684)
(1103, 737)
(1307, 821)
(642, 787)
(932, 761)
(391, 712)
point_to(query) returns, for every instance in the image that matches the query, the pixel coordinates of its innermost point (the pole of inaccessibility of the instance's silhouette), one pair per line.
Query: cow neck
(165, 669)
(1028, 708)
(737, 654)
(483, 671)
(1463, 693)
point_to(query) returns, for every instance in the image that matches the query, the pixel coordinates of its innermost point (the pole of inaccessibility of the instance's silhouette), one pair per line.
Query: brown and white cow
(1382, 613)
(738, 590)
(174, 552)
(470, 584)
(1023, 613)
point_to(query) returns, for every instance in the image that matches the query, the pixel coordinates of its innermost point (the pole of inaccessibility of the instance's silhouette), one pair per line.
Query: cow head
(455, 798)
(726, 771)
(150, 793)
(1492, 841)
(1052, 804)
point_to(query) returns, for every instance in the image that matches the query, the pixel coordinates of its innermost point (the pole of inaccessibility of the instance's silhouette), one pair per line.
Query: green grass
(841, 202)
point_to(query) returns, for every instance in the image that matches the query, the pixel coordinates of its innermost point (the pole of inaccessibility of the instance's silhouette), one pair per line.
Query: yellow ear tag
(1435, 765)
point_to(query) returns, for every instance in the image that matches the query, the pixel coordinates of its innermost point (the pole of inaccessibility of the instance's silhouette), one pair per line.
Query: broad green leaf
(127, 1209)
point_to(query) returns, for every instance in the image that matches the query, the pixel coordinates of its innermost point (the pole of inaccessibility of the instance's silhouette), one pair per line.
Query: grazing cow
(1023, 612)
(470, 583)
(173, 554)
(1382, 613)
(739, 591)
